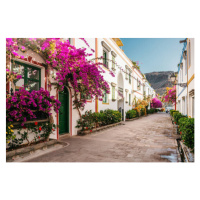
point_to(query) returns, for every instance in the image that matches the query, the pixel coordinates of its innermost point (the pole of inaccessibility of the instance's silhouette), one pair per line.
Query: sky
(154, 54)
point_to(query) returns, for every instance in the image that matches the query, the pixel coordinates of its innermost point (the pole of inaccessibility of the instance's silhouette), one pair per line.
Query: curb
(30, 148)
(81, 133)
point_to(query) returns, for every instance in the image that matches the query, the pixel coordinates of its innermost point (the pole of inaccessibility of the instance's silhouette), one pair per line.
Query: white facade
(185, 95)
(149, 91)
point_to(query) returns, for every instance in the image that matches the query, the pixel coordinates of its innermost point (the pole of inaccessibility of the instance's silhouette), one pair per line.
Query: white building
(149, 91)
(128, 81)
(185, 93)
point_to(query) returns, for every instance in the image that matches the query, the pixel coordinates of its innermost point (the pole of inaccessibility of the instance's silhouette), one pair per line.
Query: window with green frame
(130, 77)
(113, 62)
(113, 92)
(31, 76)
(105, 57)
(126, 73)
(129, 99)
(105, 97)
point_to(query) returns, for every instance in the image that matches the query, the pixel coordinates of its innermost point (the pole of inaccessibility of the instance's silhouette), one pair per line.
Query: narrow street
(148, 139)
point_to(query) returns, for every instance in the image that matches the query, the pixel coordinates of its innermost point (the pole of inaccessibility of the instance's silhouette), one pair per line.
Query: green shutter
(104, 97)
(129, 99)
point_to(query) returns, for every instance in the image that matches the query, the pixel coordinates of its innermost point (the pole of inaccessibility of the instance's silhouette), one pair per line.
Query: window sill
(105, 103)
(126, 78)
(114, 99)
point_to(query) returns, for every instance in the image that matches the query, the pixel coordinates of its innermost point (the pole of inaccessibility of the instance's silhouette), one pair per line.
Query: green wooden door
(64, 112)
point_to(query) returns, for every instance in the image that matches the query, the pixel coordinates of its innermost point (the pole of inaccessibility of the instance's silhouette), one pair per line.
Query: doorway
(64, 112)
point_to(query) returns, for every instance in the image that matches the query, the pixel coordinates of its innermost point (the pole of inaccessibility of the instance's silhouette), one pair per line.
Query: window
(105, 57)
(113, 62)
(31, 76)
(83, 96)
(182, 73)
(130, 77)
(113, 92)
(129, 99)
(138, 84)
(127, 73)
(105, 97)
(189, 53)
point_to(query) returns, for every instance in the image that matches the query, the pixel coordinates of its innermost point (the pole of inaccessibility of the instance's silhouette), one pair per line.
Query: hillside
(159, 80)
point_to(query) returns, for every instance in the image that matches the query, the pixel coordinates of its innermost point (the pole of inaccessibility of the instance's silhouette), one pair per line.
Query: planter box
(18, 124)
(186, 153)
(175, 129)
(132, 119)
(97, 129)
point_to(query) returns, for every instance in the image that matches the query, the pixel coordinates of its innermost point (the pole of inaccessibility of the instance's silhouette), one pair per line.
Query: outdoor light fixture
(173, 80)
(173, 77)
(182, 41)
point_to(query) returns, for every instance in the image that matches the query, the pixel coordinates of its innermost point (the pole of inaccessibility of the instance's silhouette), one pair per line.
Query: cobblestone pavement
(148, 139)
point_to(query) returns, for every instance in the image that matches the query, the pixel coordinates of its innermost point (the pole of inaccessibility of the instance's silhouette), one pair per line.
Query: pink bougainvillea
(170, 97)
(72, 66)
(24, 105)
(156, 103)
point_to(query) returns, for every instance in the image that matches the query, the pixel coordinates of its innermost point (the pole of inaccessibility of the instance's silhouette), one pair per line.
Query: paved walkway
(148, 139)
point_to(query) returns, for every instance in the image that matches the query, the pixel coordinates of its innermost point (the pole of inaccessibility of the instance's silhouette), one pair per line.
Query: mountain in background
(159, 81)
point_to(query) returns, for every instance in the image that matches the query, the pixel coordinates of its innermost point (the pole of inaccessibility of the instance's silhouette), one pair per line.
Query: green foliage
(142, 111)
(172, 111)
(9, 133)
(151, 111)
(90, 120)
(177, 116)
(131, 114)
(186, 129)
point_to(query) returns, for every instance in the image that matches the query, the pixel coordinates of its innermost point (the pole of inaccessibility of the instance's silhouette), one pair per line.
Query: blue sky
(154, 54)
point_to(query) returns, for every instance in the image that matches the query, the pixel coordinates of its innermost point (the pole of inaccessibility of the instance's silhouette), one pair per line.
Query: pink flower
(15, 54)
(19, 77)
